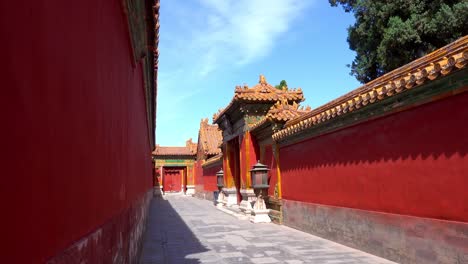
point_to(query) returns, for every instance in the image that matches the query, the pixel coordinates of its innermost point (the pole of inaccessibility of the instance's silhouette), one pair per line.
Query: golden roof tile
(281, 112)
(262, 92)
(189, 150)
(210, 138)
(428, 68)
(213, 160)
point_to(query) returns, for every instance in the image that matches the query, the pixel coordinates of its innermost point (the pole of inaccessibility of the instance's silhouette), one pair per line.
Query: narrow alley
(184, 229)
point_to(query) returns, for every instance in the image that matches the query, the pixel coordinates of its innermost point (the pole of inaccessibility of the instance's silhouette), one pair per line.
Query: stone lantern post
(259, 176)
(220, 183)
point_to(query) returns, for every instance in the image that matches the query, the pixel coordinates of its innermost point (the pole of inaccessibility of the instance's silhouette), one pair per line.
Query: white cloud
(199, 36)
(231, 32)
(240, 32)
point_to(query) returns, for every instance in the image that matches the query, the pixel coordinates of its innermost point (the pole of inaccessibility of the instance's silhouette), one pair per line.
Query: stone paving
(184, 229)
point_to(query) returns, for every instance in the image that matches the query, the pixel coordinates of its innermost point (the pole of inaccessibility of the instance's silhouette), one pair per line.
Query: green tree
(281, 85)
(389, 34)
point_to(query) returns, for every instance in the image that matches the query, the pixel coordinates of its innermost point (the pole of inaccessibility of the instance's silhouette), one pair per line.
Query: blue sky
(207, 47)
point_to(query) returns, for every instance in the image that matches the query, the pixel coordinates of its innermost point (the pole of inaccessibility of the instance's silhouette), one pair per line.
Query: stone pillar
(230, 196)
(260, 212)
(248, 198)
(220, 202)
(190, 190)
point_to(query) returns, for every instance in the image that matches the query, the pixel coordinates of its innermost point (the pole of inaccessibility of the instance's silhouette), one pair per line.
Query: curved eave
(212, 161)
(437, 64)
(175, 156)
(235, 101)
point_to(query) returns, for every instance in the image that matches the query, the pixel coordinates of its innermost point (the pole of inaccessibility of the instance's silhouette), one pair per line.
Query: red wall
(198, 176)
(414, 162)
(209, 177)
(75, 149)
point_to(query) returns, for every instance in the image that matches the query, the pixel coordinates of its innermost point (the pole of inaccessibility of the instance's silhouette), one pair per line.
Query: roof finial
(262, 79)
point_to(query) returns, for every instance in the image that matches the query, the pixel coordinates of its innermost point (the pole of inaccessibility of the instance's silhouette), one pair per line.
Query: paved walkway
(188, 230)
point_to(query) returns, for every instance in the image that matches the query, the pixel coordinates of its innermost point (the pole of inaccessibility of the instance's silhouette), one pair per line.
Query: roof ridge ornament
(262, 79)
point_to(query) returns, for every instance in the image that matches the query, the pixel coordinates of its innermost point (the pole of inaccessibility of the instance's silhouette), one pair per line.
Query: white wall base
(230, 196)
(248, 198)
(260, 216)
(220, 202)
(190, 190)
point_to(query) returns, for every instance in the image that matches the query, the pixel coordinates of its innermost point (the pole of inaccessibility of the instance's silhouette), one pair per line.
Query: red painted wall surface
(75, 148)
(198, 176)
(414, 162)
(270, 161)
(209, 177)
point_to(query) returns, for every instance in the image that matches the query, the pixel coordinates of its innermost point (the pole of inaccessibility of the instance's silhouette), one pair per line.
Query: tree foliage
(389, 34)
(281, 85)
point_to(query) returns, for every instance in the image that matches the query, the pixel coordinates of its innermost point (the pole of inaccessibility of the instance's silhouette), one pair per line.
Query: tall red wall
(209, 177)
(198, 176)
(413, 162)
(75, 148)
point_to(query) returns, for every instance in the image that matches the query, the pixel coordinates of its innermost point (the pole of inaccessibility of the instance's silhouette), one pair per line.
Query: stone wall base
(207, 195)
(230, 196)
(400, 238)
(117, 241)
(190, 190)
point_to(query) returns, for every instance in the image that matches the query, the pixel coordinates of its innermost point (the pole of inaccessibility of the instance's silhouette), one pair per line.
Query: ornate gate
(172, 179)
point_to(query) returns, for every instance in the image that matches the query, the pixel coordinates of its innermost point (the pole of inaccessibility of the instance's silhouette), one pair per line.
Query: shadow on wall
(168, 239)
(413, 162)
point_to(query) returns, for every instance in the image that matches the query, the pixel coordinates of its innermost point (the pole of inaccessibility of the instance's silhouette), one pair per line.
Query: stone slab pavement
(184, 229)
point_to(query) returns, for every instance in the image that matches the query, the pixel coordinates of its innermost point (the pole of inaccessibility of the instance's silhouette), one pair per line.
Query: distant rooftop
(190, 149)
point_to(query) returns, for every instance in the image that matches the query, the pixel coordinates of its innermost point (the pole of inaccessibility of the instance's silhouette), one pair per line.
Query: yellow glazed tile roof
(210, 138)
(189, 150)
(262, 92)
(428, 68)
(213, 160)
(282, 112)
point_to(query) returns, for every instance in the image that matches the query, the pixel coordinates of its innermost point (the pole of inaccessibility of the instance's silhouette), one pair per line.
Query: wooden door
(172, 179)
(167, 180)
(177, 180)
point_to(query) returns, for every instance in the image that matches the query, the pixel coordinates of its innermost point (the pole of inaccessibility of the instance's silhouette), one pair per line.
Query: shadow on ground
(168, 239)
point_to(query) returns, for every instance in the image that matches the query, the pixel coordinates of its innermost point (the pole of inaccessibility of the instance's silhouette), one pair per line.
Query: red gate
(172, 179)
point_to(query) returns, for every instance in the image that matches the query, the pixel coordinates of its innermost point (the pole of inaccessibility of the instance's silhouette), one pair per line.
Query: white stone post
(230, 196)
(260, 212)
(190, 190)
(248, 198)
(220, 202)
